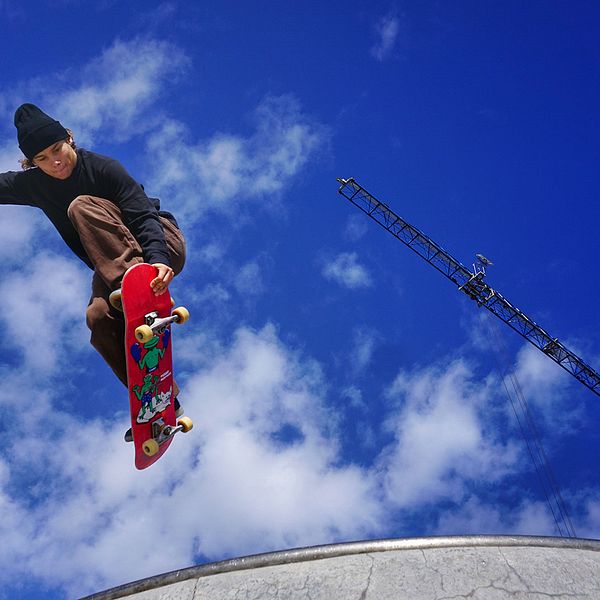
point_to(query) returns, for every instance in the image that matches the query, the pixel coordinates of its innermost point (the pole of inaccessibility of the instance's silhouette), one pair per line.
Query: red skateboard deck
(148, 321)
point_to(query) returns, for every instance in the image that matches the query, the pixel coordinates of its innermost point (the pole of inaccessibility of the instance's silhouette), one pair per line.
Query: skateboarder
(103, 215)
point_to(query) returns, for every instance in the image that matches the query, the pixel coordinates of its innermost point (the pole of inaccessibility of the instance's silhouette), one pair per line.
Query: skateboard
(148, 351)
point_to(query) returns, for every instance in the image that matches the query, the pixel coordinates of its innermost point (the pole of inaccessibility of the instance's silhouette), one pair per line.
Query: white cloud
(441, 440)
(10, 156)
(531, 380)
(19, 228)
(44, 314)
(540, 378)
(269, 452)
(212, 254)
(532, 518)
(591, 520)
(356, 227)
(260, 470)
(355, 397)
(346, 270)
(535, 390)
(114, 92)
(109, 98)
(476, 518)
(364, 343)
(227, 169)
(387, 30)
(249, 280)
(473, 517)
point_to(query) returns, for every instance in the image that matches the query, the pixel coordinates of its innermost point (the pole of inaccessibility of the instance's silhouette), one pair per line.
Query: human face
(57, 160)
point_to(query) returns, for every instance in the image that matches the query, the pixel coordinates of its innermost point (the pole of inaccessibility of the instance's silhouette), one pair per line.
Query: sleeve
(12, 190)
(139, 212)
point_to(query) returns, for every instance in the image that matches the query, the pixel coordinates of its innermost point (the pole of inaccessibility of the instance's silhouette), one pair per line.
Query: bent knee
(77, 205)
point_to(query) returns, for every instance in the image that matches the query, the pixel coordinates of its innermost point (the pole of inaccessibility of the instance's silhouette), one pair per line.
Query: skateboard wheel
(115, 299)
(143, 333)
(185, 423)
(182, 314)
(150, 447)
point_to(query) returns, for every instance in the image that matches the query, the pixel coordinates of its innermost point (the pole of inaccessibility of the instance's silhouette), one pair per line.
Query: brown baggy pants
(112, 249)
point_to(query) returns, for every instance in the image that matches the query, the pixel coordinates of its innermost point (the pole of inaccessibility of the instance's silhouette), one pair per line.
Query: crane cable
(532, 438)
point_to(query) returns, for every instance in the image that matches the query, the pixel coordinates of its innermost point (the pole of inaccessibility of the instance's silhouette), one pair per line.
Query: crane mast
(470, 282)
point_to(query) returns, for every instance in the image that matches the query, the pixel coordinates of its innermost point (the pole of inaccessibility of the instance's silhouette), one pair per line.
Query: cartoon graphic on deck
(149, 355)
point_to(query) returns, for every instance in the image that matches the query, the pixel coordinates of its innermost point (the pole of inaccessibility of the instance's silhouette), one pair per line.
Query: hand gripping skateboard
(148, 320)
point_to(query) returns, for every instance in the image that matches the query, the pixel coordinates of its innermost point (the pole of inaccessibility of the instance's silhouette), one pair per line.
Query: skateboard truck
(162, 432)
(155, 325)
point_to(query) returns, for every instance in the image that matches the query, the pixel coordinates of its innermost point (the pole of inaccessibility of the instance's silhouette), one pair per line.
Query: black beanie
(36, 130)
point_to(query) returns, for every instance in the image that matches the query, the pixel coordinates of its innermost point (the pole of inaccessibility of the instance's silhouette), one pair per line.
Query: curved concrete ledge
(478, 567)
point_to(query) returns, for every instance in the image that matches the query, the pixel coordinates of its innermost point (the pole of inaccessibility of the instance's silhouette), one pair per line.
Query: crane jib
(469, 282)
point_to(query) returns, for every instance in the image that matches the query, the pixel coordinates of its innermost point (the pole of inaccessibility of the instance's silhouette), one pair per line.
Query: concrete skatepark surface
(436, 568)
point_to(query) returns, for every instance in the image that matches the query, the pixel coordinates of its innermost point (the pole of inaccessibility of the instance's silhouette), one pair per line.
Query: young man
(102, 214)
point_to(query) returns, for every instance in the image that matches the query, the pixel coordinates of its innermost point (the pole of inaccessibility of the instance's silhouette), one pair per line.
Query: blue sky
(341, 388)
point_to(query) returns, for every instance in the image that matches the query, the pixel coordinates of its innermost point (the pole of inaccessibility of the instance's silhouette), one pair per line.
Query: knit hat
(36, 130)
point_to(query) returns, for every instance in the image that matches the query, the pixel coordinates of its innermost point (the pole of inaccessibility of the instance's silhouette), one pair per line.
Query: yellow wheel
(182, 314)
(115, 299)
(150, 447)
(143, 333)
(185, 423)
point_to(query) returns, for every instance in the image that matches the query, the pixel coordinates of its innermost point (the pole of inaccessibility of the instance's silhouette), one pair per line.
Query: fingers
(164, 276)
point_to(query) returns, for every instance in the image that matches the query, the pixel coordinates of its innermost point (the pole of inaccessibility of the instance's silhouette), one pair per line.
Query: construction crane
(470, 282)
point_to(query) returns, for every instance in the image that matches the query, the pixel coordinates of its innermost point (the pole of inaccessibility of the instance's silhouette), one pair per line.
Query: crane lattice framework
(470, 282)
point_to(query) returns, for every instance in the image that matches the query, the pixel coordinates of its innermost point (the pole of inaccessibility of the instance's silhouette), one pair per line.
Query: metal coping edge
(297, 555)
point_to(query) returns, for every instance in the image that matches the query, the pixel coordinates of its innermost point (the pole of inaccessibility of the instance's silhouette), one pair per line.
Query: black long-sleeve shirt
(93, 175)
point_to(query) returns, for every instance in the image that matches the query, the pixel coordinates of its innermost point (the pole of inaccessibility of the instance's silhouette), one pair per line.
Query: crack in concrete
(306, 587)
(365, 591)
(507, 575)
(434, 570)
(501, 584)
(512, 570)
(510, 593)
(195, 589)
